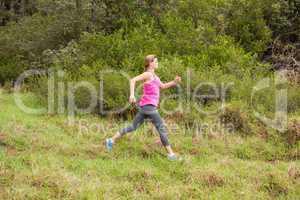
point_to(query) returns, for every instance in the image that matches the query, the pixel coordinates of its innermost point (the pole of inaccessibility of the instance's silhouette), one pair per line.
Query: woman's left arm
(171, 83)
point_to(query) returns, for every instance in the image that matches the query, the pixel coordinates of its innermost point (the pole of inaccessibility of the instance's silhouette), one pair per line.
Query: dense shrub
(283, 15)
(214, 41)
(93, 53)
(10, 68)
(245, 22)
(235, 117)
(23, 43)
(292, 135)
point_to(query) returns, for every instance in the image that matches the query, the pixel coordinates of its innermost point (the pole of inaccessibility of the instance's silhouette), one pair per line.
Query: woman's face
(154, 63)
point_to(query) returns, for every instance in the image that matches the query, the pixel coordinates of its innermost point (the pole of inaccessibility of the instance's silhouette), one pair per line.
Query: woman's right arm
(143, 76)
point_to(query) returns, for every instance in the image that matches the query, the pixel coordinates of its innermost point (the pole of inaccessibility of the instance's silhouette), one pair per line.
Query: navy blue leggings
(148, 111)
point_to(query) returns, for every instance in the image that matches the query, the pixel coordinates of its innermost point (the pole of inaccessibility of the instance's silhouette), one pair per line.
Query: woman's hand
(132, 99)
(177, 79)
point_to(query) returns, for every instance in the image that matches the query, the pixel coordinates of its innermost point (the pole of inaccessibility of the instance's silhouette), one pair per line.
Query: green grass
(42, 157)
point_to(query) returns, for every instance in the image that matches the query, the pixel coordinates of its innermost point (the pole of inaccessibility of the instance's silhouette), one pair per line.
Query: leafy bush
(292, 135)
(235, 117)
(204, 37)
(245, 22)
(283, 15)
(10, 68)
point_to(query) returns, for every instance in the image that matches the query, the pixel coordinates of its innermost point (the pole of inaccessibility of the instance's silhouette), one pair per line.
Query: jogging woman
(147, 106)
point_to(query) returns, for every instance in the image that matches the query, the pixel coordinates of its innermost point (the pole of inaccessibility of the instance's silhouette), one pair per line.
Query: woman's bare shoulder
(147, 74)
(142, 76)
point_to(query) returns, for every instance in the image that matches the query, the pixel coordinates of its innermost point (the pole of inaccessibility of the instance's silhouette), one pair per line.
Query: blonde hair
(149, 59)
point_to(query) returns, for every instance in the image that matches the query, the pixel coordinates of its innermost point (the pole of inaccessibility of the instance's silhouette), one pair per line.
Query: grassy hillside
(42, 157)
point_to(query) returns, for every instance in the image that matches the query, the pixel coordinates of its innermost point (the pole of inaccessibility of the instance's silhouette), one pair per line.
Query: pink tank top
(151, 91)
